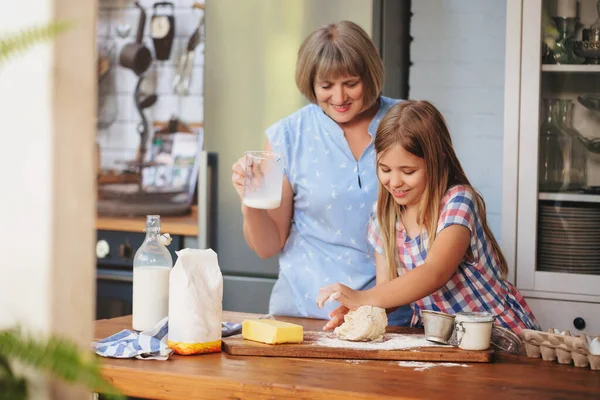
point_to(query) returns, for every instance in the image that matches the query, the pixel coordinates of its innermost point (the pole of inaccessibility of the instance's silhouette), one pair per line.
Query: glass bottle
(554, 155)
(579, 154)
(151, 270)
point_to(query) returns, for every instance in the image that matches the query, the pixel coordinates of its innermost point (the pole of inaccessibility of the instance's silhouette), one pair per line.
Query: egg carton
(562, 346)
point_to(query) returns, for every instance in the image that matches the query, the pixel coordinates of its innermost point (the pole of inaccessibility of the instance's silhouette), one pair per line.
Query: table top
(219, 375)
(186, 225)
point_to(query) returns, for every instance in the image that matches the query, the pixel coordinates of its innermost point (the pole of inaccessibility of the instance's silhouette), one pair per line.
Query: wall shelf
(582, 68)
(576, 197)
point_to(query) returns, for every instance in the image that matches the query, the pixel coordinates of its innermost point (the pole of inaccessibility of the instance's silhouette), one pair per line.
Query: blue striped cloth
(146, 345)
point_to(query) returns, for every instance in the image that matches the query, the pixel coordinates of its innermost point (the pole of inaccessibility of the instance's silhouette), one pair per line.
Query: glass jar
(555, 152)
(474, 330)
(579, 153)
(152, 266)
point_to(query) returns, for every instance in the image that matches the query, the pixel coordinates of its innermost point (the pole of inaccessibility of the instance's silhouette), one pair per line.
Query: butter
(271, 332)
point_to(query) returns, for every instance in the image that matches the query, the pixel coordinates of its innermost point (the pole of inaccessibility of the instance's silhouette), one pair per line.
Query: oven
(114, 270)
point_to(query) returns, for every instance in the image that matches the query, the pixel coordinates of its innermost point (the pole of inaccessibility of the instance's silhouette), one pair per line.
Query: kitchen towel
(146, 345)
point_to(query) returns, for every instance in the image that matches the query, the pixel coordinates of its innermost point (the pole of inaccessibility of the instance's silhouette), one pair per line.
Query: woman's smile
(342, 108)
(340, 98)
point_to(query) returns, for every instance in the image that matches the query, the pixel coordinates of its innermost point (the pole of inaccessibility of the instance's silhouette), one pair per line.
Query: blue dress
(333, 198)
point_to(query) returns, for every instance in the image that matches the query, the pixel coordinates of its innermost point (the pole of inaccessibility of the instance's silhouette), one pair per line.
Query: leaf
(59, 357)
(21, 41)
(13, 389)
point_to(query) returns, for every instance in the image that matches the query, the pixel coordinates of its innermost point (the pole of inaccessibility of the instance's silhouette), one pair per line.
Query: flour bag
(195, 303)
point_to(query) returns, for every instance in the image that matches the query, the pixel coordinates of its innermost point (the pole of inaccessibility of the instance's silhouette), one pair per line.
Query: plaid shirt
(476, 285)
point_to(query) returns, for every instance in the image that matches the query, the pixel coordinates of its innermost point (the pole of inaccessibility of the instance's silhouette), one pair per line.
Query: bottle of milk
(151, 268)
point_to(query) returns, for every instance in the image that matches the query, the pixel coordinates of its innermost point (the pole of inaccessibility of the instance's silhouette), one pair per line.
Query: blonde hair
(420, 129)
(339, 50)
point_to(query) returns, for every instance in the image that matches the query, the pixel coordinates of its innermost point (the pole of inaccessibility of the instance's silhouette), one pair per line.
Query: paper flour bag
(195, 303)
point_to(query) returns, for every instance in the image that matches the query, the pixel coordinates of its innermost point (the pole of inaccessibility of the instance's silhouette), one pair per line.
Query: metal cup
(438, 326)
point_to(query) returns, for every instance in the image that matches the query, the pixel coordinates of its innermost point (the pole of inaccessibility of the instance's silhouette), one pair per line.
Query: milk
(474, 330)
(263, 180)
(476, 335)
(265, 203)
(150, 296)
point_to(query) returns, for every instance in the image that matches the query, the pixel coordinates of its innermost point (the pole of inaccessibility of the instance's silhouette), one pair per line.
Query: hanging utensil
(136, 56)
(162, 30)
(142, 102)
(107, 108)
(183, 76)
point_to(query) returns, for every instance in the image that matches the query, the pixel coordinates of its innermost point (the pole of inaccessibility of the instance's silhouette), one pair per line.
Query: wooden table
(219, 376)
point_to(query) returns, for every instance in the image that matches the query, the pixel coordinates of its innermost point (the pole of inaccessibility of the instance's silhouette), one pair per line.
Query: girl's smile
(403, 175)
(399, 193)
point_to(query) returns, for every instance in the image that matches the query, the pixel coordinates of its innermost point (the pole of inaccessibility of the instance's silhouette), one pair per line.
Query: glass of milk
(152, 265)
(263, 180)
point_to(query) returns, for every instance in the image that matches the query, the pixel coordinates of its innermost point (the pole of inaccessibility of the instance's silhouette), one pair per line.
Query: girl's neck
(410, 222)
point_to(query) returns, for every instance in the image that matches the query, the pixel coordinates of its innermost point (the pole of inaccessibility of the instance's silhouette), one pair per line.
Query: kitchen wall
(458, 64)
(120, 139)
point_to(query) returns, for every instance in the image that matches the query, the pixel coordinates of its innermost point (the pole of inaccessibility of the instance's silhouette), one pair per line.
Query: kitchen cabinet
(247, 294)
(551, 176)
(115, 250)
(118, 238)
(575, 316)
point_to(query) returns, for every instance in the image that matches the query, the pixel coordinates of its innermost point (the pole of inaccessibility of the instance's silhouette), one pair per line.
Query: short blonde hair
(335, 50)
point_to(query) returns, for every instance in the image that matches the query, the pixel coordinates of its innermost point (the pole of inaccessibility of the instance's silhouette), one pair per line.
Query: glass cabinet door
(560, 123)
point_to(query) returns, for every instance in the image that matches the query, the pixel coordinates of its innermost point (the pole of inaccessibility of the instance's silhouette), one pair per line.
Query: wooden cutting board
(312, 347)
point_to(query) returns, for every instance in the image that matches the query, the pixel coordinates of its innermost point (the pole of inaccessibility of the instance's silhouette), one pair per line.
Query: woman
(330, 182)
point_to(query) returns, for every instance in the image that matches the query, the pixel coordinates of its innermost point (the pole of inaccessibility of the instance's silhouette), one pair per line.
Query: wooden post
(47, 207)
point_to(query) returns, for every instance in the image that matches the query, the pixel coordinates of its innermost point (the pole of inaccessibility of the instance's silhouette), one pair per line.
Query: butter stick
(271, 332)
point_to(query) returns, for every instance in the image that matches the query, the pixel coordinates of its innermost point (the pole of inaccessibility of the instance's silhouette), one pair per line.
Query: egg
(594, 347)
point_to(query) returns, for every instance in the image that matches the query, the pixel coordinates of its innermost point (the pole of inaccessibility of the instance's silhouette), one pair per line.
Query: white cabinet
(576, 317)
(551, 180)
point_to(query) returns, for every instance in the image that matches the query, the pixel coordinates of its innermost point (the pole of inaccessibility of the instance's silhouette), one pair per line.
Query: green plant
(59, 357)
(21, 41)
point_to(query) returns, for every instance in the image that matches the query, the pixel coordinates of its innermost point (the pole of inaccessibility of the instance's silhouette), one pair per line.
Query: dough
(365, 324)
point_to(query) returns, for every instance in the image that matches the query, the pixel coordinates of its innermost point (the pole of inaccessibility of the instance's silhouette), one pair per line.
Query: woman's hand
(350, 298)
(337, 318)
(238, 176)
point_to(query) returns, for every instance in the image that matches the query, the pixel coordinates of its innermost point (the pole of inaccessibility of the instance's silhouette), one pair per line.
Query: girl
(433, 247)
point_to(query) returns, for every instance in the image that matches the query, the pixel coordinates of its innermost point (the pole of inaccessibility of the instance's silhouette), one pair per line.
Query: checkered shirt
(476, 285)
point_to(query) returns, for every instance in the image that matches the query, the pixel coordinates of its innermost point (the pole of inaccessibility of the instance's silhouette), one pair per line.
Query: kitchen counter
(186, 225)
(218, 376)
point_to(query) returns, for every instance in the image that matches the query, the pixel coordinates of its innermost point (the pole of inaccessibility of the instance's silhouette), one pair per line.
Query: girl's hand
(350, 298)
(337, 318)
(238, 176)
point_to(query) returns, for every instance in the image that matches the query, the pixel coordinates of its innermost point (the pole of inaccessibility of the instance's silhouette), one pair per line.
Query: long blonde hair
(420, 129)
